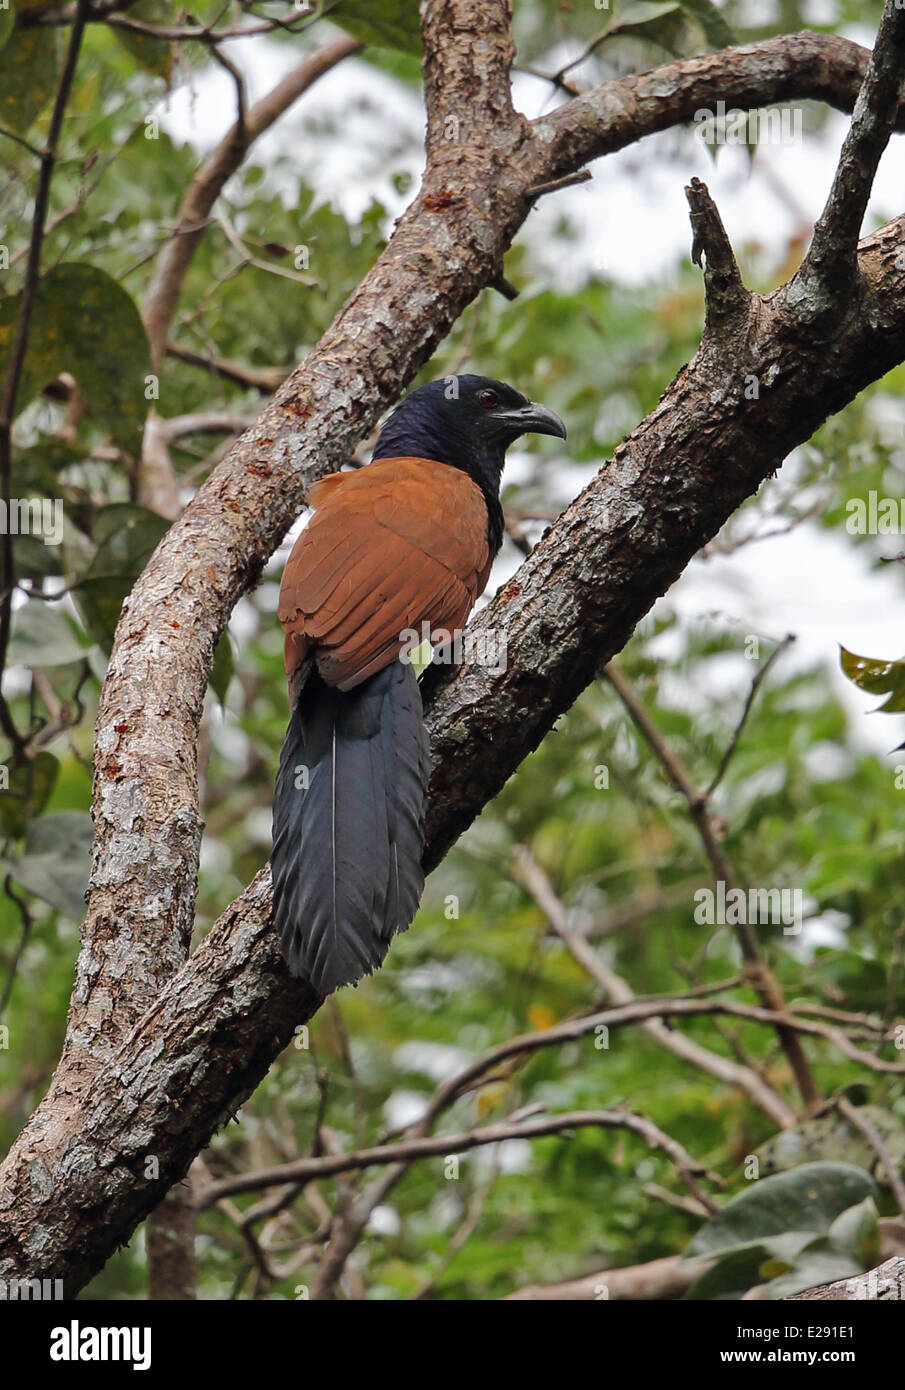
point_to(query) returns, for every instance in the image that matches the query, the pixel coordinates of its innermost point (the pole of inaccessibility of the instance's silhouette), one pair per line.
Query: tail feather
(348, 825)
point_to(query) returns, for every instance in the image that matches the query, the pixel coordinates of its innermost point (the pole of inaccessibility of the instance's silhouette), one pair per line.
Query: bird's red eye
(488, 398)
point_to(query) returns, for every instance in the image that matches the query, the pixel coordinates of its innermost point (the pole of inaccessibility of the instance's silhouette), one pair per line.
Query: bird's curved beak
(534, 419)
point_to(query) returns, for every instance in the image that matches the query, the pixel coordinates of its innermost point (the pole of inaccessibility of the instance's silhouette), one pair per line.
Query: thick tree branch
(793, 67)
(887, 1281)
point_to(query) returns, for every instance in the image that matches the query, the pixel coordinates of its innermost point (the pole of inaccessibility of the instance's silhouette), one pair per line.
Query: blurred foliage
(803, 805)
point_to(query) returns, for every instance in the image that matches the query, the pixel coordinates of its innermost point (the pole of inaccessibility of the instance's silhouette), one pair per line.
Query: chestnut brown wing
(401, 542)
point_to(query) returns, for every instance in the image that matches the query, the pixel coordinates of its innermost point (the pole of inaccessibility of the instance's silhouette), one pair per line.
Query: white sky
(357, 127)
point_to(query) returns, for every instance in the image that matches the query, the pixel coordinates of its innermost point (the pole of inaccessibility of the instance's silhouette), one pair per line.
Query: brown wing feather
(401, 542)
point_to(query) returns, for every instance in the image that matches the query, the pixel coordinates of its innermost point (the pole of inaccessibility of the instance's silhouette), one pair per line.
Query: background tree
(560, 1074)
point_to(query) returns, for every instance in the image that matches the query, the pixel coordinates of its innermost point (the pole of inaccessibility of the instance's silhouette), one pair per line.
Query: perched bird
(407, 540)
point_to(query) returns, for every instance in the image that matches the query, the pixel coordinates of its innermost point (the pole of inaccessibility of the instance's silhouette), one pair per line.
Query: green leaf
(808, 1198)
(856, 1232)
(716, 31)
(383, 23)
(7, 21)
(29, 70)
(154, 55)
(738, 1271)
(44, 635)
(56, 861)
(832, 1137)
(27, 794)
(877, 678)
(664, 24)
(126, 536)
(851, 1245)
(641, 16)
(84, 323)
(222, 672)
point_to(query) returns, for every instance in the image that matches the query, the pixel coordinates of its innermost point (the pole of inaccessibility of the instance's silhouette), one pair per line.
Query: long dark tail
(348, 825)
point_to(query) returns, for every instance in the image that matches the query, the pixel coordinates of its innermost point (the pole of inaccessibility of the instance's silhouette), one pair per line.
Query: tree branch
(532, 876)
(827, 278)
(759, 973)
(175, 256)
(311, 1169)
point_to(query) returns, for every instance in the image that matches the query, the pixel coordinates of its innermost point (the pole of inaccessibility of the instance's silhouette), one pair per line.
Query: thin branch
(626, 1015)
(859, 1121)
(529, 873)
(828, 275)
(263, 379)
(309, 1169)
(20, 341)
(762, 978)
(749, 705)
(554, 185)
(175, 257)
(662, 1279)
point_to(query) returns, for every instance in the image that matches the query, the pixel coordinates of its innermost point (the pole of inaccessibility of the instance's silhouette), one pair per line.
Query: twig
(554, 185)
(862, 1124)
(749, 705)
(27, 922)
(624, 1015)
(662, 1279)
(263, 379)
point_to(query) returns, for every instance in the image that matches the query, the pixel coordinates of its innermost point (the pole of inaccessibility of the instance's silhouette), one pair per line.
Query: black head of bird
(467, 421)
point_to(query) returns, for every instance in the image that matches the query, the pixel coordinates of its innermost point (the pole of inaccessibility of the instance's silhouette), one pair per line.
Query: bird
(403, 542)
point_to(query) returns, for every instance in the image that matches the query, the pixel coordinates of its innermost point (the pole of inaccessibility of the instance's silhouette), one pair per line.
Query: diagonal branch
(175, 257)
(827, 278)
(530, 874)
(756, 968)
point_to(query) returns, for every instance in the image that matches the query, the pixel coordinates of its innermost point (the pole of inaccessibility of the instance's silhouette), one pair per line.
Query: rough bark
(887, 1281)
(157, 1057)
